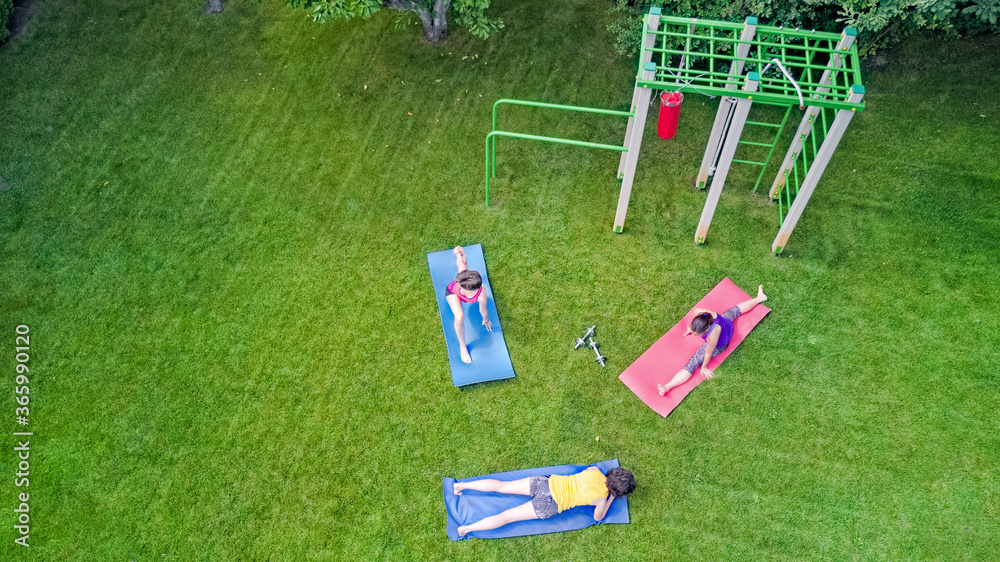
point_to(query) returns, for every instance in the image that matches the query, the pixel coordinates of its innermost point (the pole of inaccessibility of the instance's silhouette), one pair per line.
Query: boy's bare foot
(663, 390)
(466, 358)
(458, 488)
(462, 531)
(761, 297)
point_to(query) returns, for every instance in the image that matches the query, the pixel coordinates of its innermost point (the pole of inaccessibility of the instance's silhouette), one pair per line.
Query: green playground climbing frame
(743, 64)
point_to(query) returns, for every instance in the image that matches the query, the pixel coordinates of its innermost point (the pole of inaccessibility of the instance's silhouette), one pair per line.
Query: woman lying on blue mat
(717, 331)
(467, 287)
(551, 495)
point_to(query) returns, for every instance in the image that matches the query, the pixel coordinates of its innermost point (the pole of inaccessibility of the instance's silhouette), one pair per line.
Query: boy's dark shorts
(541, 499)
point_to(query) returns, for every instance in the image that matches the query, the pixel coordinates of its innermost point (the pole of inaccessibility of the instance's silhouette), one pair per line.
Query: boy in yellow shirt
(551, 495)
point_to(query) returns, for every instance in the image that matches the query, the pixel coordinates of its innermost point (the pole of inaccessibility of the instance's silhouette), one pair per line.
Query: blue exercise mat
(490, 359)
(472, 506)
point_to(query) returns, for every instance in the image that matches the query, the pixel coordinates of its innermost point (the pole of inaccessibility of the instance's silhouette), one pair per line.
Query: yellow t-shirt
(581, 488)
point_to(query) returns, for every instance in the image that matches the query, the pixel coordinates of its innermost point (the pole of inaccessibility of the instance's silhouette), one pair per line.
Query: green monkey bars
(802, 53)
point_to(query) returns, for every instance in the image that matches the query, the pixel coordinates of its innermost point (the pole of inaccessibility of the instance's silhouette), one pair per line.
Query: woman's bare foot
(462, 531)
(466, 358)
(761, 297)
(460, 255)
(663, 389)
(458, 488)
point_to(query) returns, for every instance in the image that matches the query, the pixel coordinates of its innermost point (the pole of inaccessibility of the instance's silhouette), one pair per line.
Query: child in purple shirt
(717, 331)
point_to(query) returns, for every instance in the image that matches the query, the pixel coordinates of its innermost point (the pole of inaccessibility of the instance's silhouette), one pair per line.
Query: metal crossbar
(491, 143)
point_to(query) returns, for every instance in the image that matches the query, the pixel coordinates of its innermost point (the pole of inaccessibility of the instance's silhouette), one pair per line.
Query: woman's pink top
(454, 289)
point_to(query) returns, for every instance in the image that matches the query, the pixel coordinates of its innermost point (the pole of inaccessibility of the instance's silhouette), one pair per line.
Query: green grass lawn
(217, 235)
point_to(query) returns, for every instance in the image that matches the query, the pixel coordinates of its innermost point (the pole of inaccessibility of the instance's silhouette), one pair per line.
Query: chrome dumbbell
(580, 342)
(600, 358)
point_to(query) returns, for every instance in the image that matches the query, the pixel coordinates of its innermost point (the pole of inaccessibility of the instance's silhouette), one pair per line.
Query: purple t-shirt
(725, 335)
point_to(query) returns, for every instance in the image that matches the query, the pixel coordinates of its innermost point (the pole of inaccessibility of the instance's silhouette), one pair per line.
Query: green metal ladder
(778, 128)
(813, 138)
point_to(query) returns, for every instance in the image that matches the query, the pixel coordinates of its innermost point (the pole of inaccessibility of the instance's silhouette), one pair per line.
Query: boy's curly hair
(620, 482)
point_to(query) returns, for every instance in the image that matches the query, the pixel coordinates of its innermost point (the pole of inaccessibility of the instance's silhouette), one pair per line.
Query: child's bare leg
(684, 374)
(460, 259)
(745, 306)
(456, 309)
(462, 349)
(680, 378)
(522, 512)
(520, 487)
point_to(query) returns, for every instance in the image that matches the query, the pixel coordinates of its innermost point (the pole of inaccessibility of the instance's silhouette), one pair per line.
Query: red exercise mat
(670, 353)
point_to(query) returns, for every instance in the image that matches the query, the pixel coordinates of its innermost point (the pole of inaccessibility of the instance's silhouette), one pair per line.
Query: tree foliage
(433, 14)
(6, 13)
(879, 22)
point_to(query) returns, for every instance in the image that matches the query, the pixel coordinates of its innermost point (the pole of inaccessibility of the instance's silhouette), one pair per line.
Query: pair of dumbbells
(588, 340)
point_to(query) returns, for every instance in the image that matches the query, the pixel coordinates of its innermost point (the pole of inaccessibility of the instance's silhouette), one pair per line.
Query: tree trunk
(435, 20)
(213, 7)
(440, 28)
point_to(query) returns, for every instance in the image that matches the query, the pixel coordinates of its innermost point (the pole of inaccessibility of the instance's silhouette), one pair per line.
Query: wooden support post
(743, 47)
(802, 133)
(816, 169)
(722, 119)
(726, 157)
(652, 24)
(726, 105)
(634, 143)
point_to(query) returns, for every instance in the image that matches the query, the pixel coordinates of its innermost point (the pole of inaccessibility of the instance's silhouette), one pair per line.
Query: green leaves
(879, 22)
(6, 11)
(470, 14)
(987, 11)
(326, 10)
(402, 20)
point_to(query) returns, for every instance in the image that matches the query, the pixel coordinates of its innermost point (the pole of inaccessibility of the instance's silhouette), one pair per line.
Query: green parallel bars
(491, 146)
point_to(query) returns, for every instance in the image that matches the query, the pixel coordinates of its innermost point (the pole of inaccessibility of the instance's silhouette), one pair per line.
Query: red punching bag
(670, 110)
